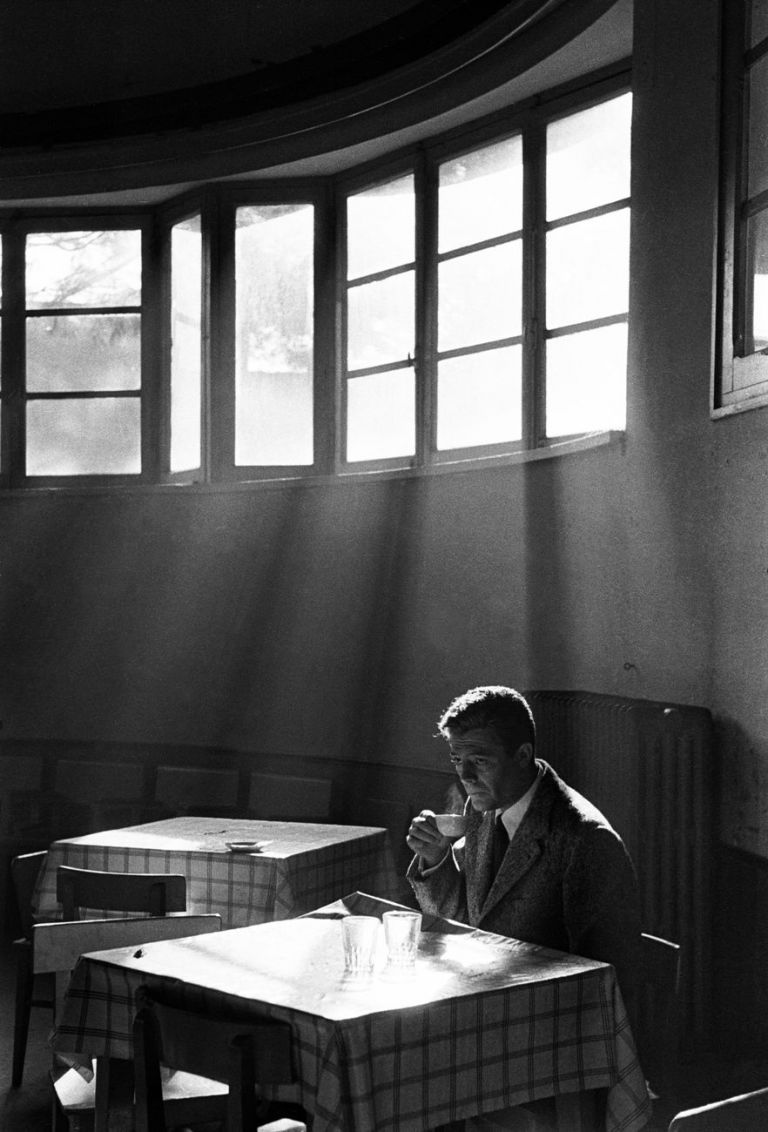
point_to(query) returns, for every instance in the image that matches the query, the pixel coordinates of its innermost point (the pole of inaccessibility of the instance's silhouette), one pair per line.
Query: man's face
(491, 777)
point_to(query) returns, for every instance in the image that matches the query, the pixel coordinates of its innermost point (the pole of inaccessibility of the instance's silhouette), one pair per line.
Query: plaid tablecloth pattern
(455, 1040)
(303, 865)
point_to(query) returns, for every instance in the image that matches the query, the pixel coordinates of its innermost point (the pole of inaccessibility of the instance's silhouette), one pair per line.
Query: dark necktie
(499, 845)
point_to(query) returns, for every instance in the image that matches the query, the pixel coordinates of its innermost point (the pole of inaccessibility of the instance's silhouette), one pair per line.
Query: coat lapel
(524, 848)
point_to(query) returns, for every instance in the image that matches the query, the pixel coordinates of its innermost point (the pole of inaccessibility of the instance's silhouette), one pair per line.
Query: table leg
(114, 1095)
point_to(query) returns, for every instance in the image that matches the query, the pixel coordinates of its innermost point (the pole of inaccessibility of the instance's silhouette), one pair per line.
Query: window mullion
(534, 284)
(152, 394)
(219, 268)
(426, 312)
(325, 400)
(14, 356)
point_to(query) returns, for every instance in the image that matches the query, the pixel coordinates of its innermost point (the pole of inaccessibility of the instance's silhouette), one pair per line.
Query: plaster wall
(337, 620)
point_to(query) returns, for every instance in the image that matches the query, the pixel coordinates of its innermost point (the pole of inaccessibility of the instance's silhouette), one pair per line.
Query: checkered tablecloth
(484, 1023)
(302, 865)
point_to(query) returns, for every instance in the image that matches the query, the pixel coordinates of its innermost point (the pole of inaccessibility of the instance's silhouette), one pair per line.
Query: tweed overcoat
(566, 881)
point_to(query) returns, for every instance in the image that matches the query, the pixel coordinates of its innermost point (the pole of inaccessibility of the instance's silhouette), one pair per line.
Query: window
(379, 344)
(72, 351)
(462, 300)
(485, 301)
(274, 304)
(186, 331)
(742, 372)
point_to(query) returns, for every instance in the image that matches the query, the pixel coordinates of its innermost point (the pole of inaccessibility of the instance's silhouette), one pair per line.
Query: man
(553, 872)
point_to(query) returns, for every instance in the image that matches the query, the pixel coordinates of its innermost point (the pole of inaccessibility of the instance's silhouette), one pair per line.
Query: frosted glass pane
(587, 381)
(274, 270)
(83, 353)
(83, 269)
(381, 321)
(758, 127)
(588, 269)
(381, 416)
(275, 420)
(588, 158)
(757, 245)
(186, 332)
(381, 227)
(480, 296)
(479, 398)
(84, 437)
(481, 195)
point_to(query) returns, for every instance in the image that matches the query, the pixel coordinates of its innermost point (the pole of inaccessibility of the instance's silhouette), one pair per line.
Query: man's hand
(425, 839)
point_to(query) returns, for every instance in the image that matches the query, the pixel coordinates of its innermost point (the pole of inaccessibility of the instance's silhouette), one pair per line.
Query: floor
(28, 1109)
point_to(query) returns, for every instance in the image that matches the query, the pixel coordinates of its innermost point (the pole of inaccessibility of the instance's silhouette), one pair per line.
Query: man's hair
(493, 705)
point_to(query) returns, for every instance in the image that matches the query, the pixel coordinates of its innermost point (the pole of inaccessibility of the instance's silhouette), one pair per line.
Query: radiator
(649, 766)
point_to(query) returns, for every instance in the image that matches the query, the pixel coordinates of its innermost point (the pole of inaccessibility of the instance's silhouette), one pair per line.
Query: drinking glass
(401, 933)
(360, 935)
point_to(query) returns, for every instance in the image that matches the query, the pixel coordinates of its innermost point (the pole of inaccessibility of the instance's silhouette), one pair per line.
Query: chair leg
(24, 981)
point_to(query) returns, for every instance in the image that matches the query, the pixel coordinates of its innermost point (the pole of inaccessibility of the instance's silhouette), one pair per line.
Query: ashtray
(246, 846)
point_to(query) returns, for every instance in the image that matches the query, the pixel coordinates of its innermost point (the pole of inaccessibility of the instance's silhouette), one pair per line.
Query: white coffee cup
(451, 825)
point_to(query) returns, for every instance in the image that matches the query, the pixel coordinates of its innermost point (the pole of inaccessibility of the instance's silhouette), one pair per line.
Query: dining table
(278, 869)
(482, 1022)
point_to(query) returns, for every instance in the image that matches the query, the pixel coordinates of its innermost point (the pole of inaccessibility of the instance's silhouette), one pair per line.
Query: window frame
(221, 391)
(15, 394)
(529, 120)
(216, 203)
(740, 380)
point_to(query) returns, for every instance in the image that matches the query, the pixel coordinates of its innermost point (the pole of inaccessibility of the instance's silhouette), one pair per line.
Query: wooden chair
(238, 1049)
(745, 1113)
(57, 946)
(30, 992)
(656, 1014)
(154, 893)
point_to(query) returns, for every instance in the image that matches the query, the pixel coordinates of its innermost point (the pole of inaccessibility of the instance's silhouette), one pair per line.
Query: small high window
(486, 296)
(741, 379)
(83, 352)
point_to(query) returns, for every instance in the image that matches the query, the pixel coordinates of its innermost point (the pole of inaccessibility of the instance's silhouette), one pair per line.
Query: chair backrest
(154, 893)
(57, 946)
(745, 1113)
(656, 1013)
(244, 1051)
(25, 870)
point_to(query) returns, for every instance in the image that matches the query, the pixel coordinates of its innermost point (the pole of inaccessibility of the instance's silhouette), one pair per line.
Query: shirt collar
(512, 815)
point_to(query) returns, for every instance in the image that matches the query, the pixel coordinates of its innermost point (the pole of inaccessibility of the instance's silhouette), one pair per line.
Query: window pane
(381, 321)
(83, 269)
(480, 296)
(588, 269)
(84, 437)
(274, 266)
(381, 418)
(381, 228)
(186, 331)
(81, 353)
(479, 398)
(758, 127)
(588, 158)
(757, 245)
(481, 195)
(587, 381)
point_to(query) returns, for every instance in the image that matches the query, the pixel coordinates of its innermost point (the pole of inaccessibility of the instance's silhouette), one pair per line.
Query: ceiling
(57, 53)
(149, 92)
